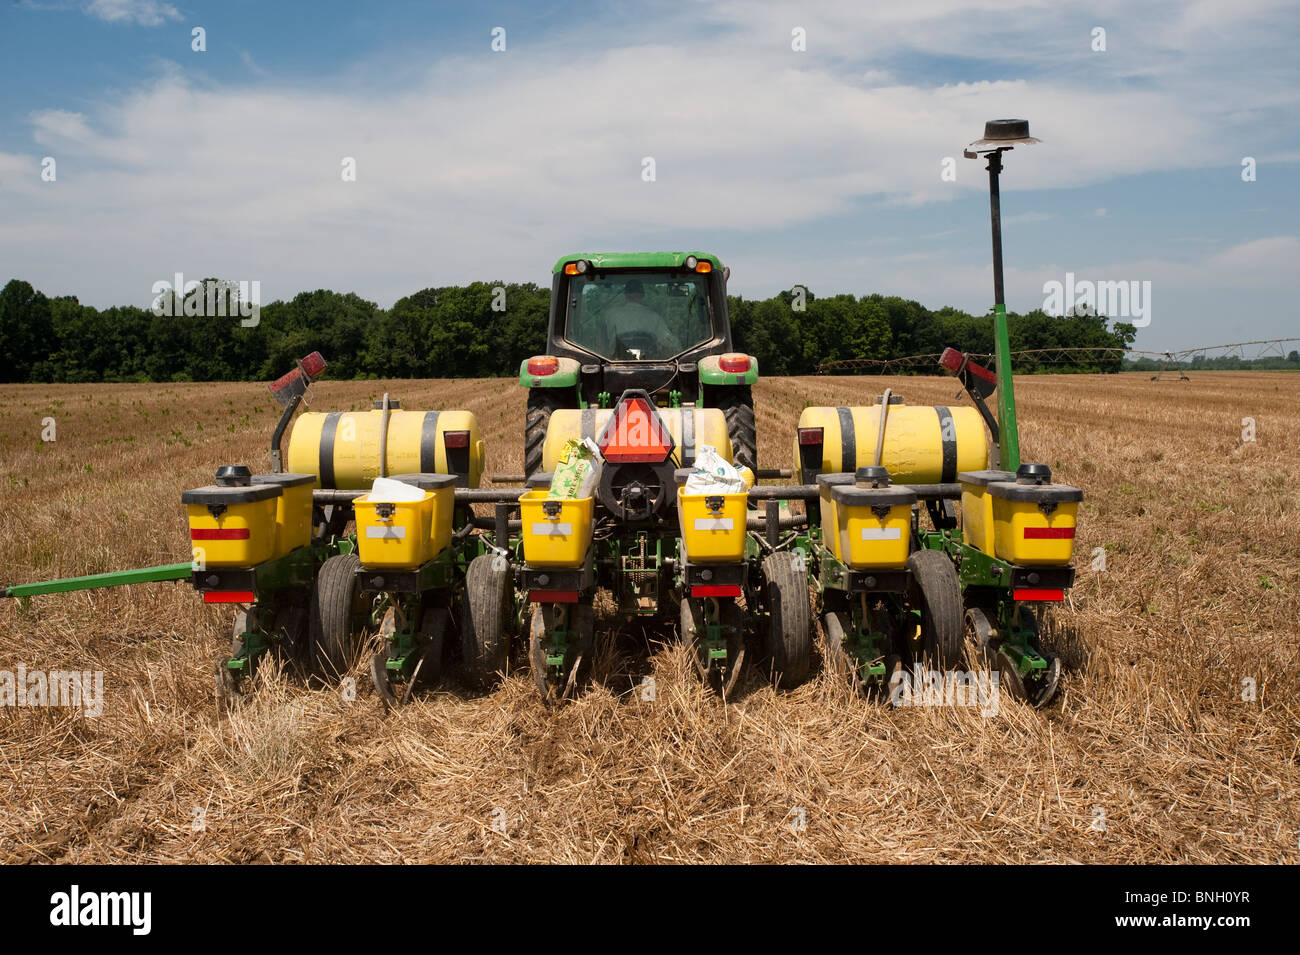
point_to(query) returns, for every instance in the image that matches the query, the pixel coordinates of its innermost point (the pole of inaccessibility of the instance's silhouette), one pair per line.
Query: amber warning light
(543, 365)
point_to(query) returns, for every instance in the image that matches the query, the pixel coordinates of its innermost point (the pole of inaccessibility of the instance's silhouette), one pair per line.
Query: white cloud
(478, 149)
(1278, 255)
(145, 13)
(57, 127)
(252, 65)
(1022, 218)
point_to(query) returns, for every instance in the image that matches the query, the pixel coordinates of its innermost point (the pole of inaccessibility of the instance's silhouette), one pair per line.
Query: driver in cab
(637, 331)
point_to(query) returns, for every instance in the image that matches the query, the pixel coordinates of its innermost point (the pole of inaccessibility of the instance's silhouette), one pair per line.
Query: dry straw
(1149, 755)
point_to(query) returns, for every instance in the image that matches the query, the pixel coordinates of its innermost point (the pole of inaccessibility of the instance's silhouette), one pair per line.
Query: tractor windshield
(638, 316)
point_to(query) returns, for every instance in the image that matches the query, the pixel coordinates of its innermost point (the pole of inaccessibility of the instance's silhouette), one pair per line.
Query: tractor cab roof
(636, 260)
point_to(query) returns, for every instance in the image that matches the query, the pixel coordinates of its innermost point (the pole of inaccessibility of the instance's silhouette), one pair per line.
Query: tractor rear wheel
(485, 627)
(337, 618)
(737, 404)
(541, 402)
(788, 631)
(935, 590)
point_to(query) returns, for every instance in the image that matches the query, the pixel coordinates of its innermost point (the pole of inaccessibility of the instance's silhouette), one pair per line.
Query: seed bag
(577, 471)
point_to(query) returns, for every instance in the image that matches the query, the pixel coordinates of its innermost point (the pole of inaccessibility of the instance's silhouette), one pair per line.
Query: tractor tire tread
(485, 636)
(789, 636)
(541, 402)
(937, 589)
(737, 406)
(333, 598)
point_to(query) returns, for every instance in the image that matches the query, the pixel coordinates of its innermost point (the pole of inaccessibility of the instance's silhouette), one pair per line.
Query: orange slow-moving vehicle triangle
(635, 434)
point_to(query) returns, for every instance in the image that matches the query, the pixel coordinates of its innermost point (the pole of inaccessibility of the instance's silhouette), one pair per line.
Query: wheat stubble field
(1149, 753)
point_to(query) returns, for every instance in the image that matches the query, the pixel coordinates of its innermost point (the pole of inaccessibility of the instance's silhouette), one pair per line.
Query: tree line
(474, 331)
(1219, 363)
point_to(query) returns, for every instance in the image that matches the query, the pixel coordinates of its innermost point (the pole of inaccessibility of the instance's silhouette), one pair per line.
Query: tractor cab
(646, 316)
(654, 322)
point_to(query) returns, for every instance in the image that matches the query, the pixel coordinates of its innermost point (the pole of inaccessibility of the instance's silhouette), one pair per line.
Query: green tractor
(644, 321)
(640, 363)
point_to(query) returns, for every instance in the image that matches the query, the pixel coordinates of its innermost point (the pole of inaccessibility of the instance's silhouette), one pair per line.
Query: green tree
(26, 330)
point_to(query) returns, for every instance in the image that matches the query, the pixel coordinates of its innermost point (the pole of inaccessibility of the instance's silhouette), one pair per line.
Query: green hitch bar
(117, 578)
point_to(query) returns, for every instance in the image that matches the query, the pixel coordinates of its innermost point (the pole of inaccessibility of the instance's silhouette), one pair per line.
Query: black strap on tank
(588, 423)
(688, 436)
(848, 443)
(429, 443)
(325, 453)
(948, 435)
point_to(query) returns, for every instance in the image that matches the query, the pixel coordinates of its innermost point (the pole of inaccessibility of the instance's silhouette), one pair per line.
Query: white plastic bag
(713, 474)
(388, 491)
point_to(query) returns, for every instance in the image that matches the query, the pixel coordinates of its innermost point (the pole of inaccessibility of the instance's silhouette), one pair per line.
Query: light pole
(1001, 135)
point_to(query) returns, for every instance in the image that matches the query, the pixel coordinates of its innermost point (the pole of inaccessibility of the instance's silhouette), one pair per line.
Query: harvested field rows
(1150, 734)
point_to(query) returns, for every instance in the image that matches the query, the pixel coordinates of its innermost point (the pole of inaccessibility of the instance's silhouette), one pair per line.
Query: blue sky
(820, 167)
